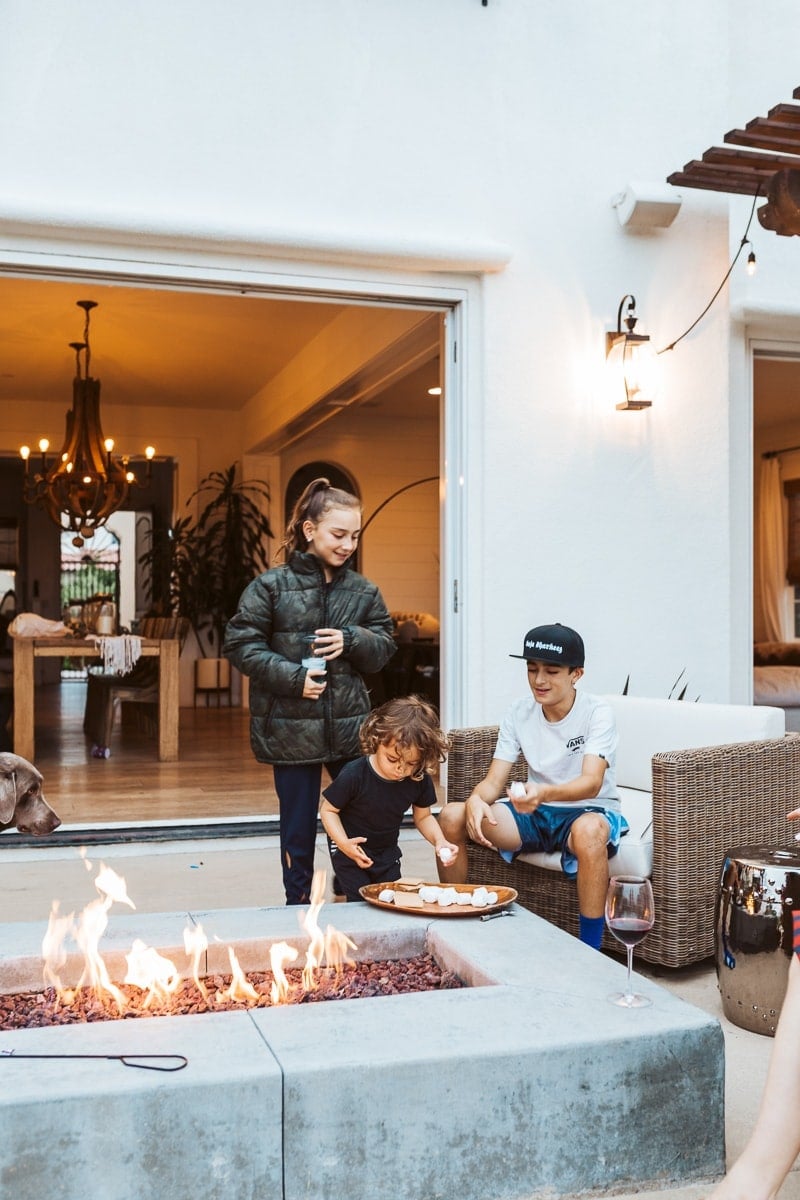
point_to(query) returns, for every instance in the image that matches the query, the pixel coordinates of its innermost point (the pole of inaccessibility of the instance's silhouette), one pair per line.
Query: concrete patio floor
(220, 873)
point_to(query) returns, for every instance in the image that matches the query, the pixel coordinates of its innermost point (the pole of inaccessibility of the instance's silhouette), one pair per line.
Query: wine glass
(630, 916)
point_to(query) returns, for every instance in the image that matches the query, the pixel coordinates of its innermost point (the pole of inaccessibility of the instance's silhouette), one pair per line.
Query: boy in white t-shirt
(570, 801)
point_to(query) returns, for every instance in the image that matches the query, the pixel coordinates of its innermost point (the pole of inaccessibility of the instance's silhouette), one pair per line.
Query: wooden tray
(371, 891)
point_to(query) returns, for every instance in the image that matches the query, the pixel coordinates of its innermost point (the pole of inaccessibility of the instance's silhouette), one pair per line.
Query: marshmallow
(517, 791)
(386, 896)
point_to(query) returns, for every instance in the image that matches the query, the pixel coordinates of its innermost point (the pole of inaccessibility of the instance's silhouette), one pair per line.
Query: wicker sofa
(696, 780)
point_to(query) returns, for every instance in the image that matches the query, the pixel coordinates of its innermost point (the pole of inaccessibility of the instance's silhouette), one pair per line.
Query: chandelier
(81, 487)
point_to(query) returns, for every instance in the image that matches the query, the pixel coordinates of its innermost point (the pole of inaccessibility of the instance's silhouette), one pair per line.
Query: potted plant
(199, 568)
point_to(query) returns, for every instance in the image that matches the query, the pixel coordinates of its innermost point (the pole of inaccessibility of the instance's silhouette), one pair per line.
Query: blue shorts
(547, 829)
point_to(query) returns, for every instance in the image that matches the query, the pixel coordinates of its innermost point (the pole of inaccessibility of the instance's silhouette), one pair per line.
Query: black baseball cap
(555, 644)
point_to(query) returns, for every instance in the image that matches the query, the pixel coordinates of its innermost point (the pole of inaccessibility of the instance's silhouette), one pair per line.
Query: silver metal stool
(759, 889)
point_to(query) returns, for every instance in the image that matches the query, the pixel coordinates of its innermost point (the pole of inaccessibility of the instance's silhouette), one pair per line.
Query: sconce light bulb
(109, 445)
(44, 445)
(129, 475)
(24, 453)
(149, 452)
(751, 263)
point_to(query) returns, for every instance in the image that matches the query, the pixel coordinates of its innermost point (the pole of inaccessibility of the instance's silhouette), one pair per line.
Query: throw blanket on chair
(119, 654)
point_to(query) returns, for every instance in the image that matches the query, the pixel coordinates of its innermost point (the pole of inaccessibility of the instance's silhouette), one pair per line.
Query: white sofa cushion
(647, 727)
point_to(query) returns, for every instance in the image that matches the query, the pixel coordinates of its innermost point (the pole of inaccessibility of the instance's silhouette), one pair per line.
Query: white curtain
(771, 557)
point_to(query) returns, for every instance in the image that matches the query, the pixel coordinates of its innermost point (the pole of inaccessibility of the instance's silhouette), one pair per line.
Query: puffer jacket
(265, 640)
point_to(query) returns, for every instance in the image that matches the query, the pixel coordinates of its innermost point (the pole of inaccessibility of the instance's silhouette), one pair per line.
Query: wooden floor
(215, 778)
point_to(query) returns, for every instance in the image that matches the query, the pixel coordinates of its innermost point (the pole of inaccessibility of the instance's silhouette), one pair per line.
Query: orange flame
(280, 955)
(240, 988)
(336, 946)
(157, 975)
(308, 921)
(54, 954)
(150, 971)
(196, 944)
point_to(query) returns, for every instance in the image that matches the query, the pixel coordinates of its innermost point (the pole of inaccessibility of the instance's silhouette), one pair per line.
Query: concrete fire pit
(528, 1081)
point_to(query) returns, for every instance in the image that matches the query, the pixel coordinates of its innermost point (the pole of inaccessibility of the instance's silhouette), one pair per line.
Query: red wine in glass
(629, 930)
(630, 915)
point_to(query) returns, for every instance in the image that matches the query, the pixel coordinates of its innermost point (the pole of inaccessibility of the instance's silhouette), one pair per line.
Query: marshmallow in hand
(517, 791)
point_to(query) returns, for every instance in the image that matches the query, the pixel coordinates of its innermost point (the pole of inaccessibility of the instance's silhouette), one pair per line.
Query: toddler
(363, 808)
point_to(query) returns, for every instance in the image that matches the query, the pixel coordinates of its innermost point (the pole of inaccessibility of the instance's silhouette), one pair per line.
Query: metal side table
(758, 892)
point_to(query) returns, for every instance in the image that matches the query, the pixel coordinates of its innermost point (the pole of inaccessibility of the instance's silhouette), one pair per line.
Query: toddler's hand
(352, 848)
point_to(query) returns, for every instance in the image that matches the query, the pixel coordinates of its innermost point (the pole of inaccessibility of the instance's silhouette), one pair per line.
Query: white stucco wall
(409, 131)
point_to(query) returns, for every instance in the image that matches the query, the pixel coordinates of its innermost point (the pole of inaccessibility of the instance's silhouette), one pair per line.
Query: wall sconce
(631, 358)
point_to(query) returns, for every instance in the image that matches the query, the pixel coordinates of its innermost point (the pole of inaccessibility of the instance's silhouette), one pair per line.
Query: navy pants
(298, 789)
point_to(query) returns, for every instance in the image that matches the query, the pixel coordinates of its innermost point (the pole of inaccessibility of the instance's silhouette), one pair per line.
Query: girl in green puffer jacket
(303, 719)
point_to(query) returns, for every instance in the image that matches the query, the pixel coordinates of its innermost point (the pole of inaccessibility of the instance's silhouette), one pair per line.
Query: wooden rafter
(772, 144)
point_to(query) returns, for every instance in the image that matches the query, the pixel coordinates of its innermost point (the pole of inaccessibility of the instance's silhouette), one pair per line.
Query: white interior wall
(298, 125)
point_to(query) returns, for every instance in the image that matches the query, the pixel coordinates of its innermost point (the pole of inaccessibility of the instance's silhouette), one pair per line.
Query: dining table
(28, 649)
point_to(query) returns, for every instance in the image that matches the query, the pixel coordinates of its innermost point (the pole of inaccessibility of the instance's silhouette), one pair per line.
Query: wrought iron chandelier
(83, 484)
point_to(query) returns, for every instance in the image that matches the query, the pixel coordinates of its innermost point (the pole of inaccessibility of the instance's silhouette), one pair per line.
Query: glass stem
(629, 989)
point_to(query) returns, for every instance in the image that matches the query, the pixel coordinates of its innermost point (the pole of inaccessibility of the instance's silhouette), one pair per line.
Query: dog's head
(21, 800)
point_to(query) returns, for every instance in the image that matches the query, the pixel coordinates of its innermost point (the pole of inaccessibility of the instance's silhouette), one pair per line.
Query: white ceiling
(163, 347)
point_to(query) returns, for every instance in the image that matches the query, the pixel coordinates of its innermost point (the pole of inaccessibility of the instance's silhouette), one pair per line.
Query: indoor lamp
(83, 484)
(630, 356)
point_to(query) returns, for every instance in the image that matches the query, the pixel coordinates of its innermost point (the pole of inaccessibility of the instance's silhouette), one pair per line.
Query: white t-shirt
(554, 750)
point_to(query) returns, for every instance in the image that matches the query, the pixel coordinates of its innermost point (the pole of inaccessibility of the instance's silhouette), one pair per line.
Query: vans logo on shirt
(575, 743)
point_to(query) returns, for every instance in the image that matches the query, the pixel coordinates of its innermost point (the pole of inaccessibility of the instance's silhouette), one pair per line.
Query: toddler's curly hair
(413, 725)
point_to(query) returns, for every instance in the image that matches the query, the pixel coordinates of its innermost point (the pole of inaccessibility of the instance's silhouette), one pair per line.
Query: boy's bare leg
(453, 819)
(775, 1141)
(588, 841)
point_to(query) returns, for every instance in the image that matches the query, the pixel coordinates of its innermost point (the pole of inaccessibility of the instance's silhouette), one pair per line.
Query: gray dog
(21, 800)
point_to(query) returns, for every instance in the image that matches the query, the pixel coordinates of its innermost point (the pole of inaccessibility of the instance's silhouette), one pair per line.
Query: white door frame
(457, 295)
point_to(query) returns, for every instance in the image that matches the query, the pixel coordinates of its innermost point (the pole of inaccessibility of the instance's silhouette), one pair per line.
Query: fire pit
(473, 1093)
(154, 986)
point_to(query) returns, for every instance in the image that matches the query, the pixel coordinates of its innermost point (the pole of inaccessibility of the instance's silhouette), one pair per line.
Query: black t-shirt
(372, 807)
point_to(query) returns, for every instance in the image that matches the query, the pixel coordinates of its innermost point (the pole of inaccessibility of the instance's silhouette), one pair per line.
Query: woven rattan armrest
(705, 803)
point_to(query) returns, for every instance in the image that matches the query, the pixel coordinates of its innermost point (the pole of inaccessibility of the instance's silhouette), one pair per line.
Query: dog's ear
(8, 797)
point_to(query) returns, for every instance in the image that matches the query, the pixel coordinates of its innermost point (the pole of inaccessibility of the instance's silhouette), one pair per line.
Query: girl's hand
(328, 643)
(794, 815)
(352, 848)
(314, 685)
